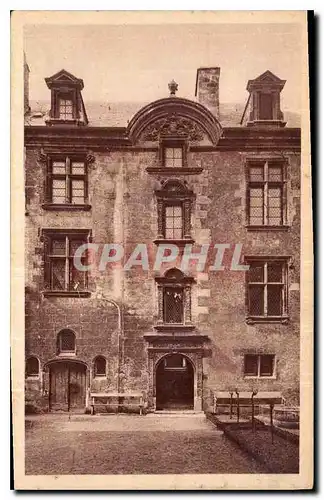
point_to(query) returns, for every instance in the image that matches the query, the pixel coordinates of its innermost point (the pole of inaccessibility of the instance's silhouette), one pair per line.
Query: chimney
(26, 86)
(207, 88)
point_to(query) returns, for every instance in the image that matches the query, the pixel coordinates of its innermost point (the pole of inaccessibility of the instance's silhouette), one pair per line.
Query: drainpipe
(119, 333)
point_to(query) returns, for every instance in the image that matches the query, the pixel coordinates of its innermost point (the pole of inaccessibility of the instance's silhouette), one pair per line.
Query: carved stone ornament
(90, 158)
(173, 125)
(42, 156)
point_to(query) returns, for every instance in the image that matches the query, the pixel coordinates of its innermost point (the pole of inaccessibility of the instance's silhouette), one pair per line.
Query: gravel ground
(131, 445)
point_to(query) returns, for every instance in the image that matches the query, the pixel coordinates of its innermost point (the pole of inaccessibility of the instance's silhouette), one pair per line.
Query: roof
(119, 114)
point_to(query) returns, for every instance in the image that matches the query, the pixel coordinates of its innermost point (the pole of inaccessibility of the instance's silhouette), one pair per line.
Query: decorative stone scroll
(175, 126)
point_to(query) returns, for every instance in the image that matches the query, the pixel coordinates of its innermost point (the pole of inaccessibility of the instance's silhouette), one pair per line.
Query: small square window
(259, 365)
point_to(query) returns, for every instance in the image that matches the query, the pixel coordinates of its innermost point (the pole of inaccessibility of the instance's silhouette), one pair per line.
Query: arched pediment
(176, 117)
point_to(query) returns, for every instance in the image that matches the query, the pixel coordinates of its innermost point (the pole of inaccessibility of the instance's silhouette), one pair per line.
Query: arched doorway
(67, 385)
(174, 383)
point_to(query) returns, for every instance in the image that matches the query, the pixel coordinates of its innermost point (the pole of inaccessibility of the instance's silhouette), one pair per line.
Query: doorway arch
(175, 381)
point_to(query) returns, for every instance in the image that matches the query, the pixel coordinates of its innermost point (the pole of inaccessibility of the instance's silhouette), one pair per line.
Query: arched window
(174, 290)
(99, 367)
(174, 210)
(66, 342)
(32, 367)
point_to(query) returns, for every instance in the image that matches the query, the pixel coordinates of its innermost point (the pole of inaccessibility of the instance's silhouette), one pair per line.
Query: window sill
(67, 354)
(32, 377)
(178, 242)
(251, 320)
(62, 293)
(174, 170)
(66, 206)
(255, 377)
(100, 377)
(166, 327)
(268, 228)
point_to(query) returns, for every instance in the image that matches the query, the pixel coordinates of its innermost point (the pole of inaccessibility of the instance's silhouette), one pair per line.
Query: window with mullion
(68, 181)
(266, 193)
(267, 289)
(65, 108)
(63, 275)
(259, 365)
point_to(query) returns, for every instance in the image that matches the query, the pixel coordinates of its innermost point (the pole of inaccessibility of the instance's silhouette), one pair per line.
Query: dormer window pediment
(67, 107)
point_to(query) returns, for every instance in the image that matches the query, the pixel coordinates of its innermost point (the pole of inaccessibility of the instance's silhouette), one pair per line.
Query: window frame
(175, 143)
(68, 177)
(265, 261)
(97, 375)
(264, 185)
(48, 236)
(33, 376)
(174, 278)
(258, 375)
(65, 352)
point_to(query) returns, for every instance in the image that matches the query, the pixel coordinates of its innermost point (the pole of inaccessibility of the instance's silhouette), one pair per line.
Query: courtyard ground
(122, 444)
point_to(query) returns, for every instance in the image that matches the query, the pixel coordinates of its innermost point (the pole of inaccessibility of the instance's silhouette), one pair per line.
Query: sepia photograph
(162, 185)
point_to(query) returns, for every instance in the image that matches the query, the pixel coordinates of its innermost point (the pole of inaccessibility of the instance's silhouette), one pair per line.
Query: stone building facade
(173, 172)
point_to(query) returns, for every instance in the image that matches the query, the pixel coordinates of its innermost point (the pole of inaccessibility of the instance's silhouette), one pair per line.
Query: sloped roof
(119, 114)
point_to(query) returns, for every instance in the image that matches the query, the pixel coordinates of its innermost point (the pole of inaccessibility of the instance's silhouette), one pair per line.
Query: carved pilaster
(160, 305)
(187, 304)
(160, 217)
(187, 218)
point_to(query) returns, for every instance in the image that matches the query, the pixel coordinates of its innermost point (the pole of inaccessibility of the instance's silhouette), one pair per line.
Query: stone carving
(42, 156)
(174, 125)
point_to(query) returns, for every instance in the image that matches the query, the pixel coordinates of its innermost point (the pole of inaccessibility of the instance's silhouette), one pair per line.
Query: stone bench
(105, 399)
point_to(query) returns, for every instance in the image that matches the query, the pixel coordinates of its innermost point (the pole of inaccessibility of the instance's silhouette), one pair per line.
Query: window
(265, 106)
(99, 367)
(174, 299)
(32, 367)
(175, 362)
(60, 273)
(259, 365)
(68, 181)
(173, 220)
(174, 202)
(266, 193)
(173, 157)
(66, 342)
(65, 107)
(267, 288)
(173, 304)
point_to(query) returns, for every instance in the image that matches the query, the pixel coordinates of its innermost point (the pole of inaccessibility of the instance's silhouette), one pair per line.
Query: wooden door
(67, 386)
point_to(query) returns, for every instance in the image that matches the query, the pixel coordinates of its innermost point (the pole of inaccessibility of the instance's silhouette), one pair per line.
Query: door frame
(194, 356)
(192, 368)
(46, 389)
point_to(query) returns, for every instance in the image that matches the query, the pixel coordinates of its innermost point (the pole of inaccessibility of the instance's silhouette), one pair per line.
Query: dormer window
(67, 107)
(173, 153)
(263, 107)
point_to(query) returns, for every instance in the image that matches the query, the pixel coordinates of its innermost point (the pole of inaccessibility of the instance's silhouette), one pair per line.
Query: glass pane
(275, 173)
(175, 361)
(177, 211)
(58, 191)
(169, 162)
(58, 247)
(275, 272)
(177, 163)
(74, 245)
(32, 367)
(256, 173)
(67, 341)
(168, 153)
(256, 221)
(77, 167)
(58, 199)
(266, 365)
(177, 152)
(256, 300)
(251, 365)
(177, 222)
(274, 192)
(58, 274)
(274, 300)
(100, 366)
(256, 272)
(77, 279)
(58, 167)
(173, 305)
